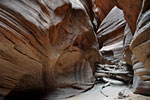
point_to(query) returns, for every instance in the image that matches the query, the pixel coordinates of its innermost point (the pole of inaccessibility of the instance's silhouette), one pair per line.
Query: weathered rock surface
(103, 7)
(110, 35)
(45, 44)
(141, 39)
(137, 16)
(48, 44)
(141, 82)
(141, 46)
(126, 44)
(131, 9)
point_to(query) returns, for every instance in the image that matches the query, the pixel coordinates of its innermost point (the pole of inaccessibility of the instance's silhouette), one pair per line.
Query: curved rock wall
(131, 9)
(126, 44)
(141, 48)
(110, 35)
(137, 16)
(103, 7)
(45, 44)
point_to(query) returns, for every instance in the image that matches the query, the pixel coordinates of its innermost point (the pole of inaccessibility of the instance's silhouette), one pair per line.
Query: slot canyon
(74, 49)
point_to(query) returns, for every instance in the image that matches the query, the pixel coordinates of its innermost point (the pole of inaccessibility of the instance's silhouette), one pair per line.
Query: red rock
(47, 44)
(126, 45)
(141, 39)
(137, 16)
(131, 9)
(103, 7)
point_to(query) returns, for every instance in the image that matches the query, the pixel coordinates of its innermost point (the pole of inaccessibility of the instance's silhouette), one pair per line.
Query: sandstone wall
(45, 44)
(110, 35)
(136, 38)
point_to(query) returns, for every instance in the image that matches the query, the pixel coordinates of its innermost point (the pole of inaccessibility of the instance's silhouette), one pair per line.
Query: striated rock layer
(49, 44)
(45, 44)
(141, 48)
(136, 37)
(110, 35)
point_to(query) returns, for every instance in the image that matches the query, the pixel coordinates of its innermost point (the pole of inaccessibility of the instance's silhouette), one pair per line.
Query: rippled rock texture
(136, 37)
(49, 44)
(141, 48)
(110, 35)
(45, 44)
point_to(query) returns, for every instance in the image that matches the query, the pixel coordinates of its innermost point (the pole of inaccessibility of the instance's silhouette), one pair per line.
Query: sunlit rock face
(110, 35)
(45, 44)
